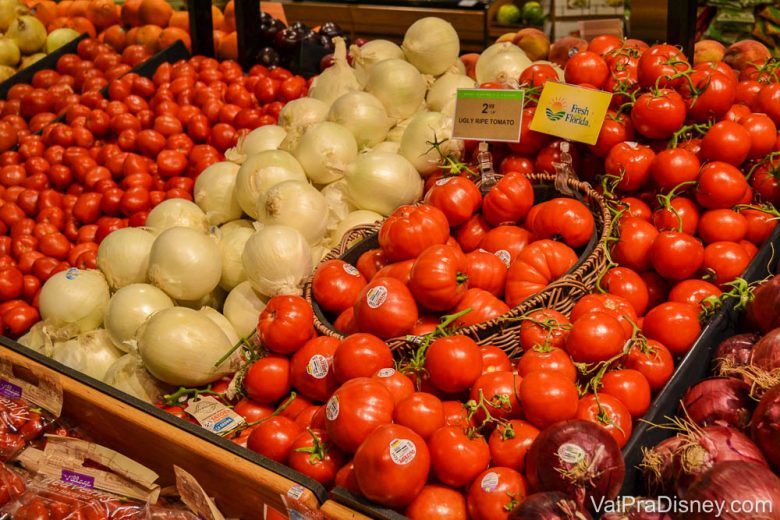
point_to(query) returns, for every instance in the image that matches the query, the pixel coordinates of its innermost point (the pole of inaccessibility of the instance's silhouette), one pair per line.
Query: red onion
(766, 353)
(766, 426)
(643, 509)
(735, 351)
(551, 505)
(658, 465)
(763, 312)
(706, 447)
(719, 401)
(578, 458)
(737, 485)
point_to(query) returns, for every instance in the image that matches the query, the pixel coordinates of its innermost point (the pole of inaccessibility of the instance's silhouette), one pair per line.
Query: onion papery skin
(550, 505)
(735, 351)
(766, 426)
(736, 482)
(719, 401)
(551, 463)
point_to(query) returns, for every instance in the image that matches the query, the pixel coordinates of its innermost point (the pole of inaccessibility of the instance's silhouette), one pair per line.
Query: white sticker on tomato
(332, 408)
(386, 372)
(351, 270)
(489, 482)
(402, 451)
(504, 256)
(376, 296)
(443, 181)
(571, 453)
(318, 366)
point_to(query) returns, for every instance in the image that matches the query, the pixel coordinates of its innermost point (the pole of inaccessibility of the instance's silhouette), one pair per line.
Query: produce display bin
(695, 366)
(241, 481)
(47, 62)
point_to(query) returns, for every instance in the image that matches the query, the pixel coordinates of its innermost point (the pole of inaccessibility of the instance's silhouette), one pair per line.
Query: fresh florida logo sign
(571, 112)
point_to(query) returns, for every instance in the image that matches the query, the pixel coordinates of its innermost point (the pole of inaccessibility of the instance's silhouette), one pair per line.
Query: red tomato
(537, 265)
(616, 129)
(586, 67)
(675, 325)
(726, 141)
(336, 285)
(658, 115)
(386, 308)
(286, 324)
(530, 141)
(494, 359)
(616, 306)
(357, 408)
(722, 224)
(653, 360)
(392, 465)
(624, 282)
(551, 359)
(548, 397)
(12, 284)
(453, 363)
(510, 442)
(509, 200)
(470, 234)
(486, 271)
(395, 382)
(763, 134)
(544, 328)
(711, 95)
(725, 260)
(608, 412)
(274, 438)
(456, 457)
(595, 337)
(360, 355)
(436, 501)
(409, 230)
(630, 387)
(457, 197)
(633, 249)
(311, 368)
(630, 164)
(371, 262)
(562, 217)
(659, 63)
(495, 493)
(268, 379)
(676, 256)
(506, 242)
(437, 279)
(420, 411)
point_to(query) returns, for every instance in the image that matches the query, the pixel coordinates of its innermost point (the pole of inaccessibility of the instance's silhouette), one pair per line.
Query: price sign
(571, 112)
(488, 114)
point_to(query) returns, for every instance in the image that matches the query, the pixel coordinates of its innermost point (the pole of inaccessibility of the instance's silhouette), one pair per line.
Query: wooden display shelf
(240, 486)
(390, 21)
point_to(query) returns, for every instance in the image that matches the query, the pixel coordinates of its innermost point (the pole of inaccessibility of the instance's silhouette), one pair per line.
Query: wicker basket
(560, 295)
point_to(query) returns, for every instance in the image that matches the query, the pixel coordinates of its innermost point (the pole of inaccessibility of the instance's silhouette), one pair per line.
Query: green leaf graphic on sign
(554, 116)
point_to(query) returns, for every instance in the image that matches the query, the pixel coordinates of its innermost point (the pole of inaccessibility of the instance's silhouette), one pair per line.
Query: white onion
(129, 307)
(231, 246)
(387, 146)
(431, 44)
(43, 335)
(399, 86)
(297, 116)
(123, 256)
(381, 181)
(501, 62)
(75, 296)
(368, 55)
(296, 204)
(397, 132)
(262, 171)
(325, 150)
(222, 322)
(425, 129)
(180, 346)
(129, 375)
(185, 263)
(215, 193)
(336, 80)
(235, 224)
(363, 115)
(277, 259)
(91, 353)
(177, 212)
(337, 196)
(356, 218)
(215, 299)
(267, 137)
(444, 90)
(243, 307)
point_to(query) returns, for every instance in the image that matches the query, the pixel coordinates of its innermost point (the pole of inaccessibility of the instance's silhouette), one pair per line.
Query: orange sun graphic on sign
(558, 104)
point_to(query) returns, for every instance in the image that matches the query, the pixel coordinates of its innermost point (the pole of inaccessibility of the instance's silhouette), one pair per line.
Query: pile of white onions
(194, 280)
